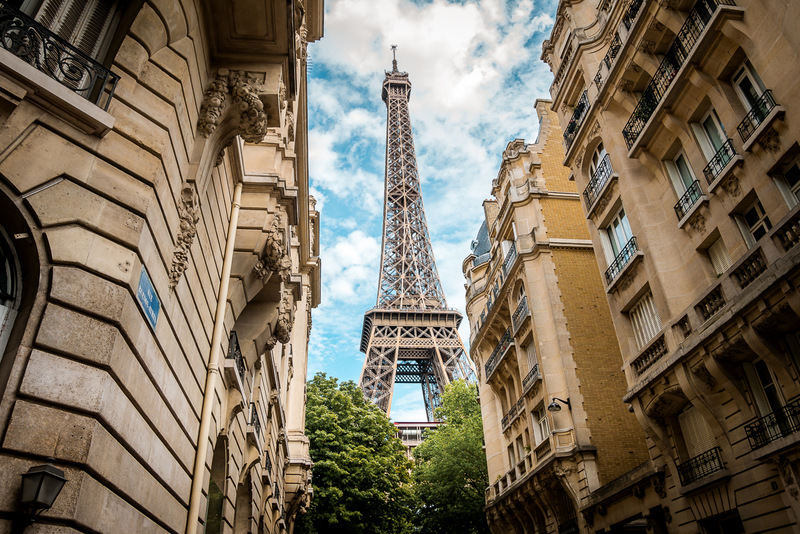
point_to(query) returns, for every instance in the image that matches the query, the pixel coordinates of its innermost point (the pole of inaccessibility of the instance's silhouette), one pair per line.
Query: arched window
(597, 158)
(10, 288)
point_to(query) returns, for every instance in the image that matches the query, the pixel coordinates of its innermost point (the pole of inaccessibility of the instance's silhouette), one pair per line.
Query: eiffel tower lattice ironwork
(410, 336)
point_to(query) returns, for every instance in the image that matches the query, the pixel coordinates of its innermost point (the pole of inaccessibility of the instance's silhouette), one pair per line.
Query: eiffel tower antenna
(410, 336)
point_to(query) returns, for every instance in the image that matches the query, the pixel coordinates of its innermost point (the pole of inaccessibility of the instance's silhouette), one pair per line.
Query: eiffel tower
(410, 336)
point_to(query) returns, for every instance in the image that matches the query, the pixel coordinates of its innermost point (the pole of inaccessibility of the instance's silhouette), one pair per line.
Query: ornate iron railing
(55, 57)
(720, 160)
(630, 14)
(688, 199)
(276, 491)
(575, 123)
(701, 466)
(520, 313)
(598, 180)
(532, 376)
(673, 60)
(267, 464)
(625, 255)
(235, 354)
(498, 352)
(254, 420)
(510, 257)
(756, 115)
(780, 423)
(611, 54)
(513, 412)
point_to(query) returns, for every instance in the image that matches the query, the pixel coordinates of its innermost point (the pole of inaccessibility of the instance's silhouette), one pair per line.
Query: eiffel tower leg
(377, 376)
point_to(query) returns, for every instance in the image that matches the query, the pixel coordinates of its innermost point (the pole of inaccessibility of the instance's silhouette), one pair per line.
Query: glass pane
(713, 132)
(683, 170)
(748, 89)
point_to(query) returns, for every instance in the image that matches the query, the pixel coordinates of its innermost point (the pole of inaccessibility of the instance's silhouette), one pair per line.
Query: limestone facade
(681, 134)
(541, 330)
(159, 250)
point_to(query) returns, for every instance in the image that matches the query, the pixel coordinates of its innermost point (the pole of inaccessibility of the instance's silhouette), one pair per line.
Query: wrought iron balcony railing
(512, 414)
(701, 466)
(676, 55)
(235, 354)
(689, 199)
(55, 57)
(625, 255)
(510, 257)
(254, 420)
(780, 423)
(720, 160)
(520, 313)
(532, 376)
(575, 123)
(498, 352)
(609, 59)
(756, 115)
(267, 464)
(598, 180)
(630, 14)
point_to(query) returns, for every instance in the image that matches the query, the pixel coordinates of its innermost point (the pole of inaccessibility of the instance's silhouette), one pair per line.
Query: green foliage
(450, 475)
(361, 474)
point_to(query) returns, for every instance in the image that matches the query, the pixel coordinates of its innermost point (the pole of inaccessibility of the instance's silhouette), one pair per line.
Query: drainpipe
(213, 368)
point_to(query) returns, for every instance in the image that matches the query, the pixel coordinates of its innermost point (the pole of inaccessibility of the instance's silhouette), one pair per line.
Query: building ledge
(719, 477)
(777, 111)
(637, 257)
(779, 445)
(736, 161)
(700, 202)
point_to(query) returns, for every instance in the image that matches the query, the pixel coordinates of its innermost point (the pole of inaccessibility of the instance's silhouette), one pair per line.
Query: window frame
(746, 229)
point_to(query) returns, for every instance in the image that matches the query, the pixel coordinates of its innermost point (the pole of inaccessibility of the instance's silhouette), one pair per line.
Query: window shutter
(697, 435)
(720, 258)
(645, 320)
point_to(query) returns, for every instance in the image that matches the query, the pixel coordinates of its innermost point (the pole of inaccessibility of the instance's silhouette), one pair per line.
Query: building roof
(481, 246)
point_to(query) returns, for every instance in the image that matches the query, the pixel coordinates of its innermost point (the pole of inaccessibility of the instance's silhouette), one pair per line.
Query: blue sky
(475, 72)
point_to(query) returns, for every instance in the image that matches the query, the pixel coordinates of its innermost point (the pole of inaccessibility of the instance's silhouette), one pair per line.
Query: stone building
(159, 250)
(550, 385)
(681, 134)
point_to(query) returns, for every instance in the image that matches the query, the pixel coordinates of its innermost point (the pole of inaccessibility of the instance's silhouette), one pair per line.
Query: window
(616, 235)
(766, 395)
(753, 223)
(748, 85)
(645, 320)
(789, 183)
(10, 285)
(720, 259)
(697, 436)
(710, 134)
(682, 178)
(541, 425)
(597, 158)
(530, 352)
(87, 24)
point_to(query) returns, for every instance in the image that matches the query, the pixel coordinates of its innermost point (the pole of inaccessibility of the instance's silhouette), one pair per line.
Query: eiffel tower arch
(410, 336)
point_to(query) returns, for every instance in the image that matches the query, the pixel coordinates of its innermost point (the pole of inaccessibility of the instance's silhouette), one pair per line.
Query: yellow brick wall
(614, 431)
(564, 219)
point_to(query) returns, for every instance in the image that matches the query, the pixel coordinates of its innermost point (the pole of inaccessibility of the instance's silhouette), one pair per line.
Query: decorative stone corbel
(252, 116)
(189, 215)
(282, 440)
(283, 328)
(276, 257)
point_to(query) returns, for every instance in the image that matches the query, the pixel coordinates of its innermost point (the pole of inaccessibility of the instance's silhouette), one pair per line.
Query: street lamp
(40, 488)
(555, 406)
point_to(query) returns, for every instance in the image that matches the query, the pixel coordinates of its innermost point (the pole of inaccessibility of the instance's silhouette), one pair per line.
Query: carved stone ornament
(667, 514)
(770, 140)
(702, 372)
(189, 215)
(658, 485)
(281, 437)
(273, 398)
(276, 256)
(290, 125)
(685, 326)
(731, 186)
(625, 86)
(657, 26)
(646, 46)
(627, 279)
(514, 148)
(789, 480)
(698, 223)
(283, 328)
(248, 105)
(588, 516)
(221, 153)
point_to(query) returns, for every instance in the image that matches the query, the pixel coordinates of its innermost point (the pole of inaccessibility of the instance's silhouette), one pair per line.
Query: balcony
(701, 466)
(689, 199)
(520, 314)
(711, 304)
(724, 156)
(235, 368)
(757, 115)
(58, 59)
(624, 257)
(650, 355)
(674, 59)
(514, 412)
(530, 379)
(254, 427)
(597, 183)
(575, 123)
(770, 428)
(510, 257)
(498, 353)
(630, 14)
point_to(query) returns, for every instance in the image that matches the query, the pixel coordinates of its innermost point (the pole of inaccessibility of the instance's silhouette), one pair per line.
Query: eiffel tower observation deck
(410, 336)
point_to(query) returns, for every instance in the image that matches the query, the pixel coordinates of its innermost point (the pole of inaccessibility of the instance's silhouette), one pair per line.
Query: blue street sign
(146, 295)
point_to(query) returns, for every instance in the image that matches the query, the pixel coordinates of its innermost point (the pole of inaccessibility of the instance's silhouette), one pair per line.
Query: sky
(475, 71)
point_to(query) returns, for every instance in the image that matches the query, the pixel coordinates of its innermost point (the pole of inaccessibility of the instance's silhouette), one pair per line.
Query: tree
(450, 475)
(361, 474)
